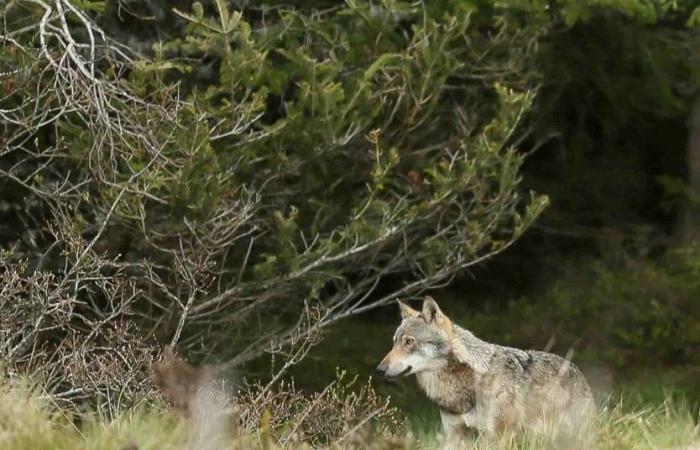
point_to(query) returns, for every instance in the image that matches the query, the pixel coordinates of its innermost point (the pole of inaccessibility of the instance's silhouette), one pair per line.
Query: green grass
(645, 409)
(27, 424)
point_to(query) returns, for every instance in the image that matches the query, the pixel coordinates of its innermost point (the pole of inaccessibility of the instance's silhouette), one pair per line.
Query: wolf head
(422, 342)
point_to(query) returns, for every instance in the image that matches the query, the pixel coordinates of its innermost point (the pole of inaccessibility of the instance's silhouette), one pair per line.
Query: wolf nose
(381, 368)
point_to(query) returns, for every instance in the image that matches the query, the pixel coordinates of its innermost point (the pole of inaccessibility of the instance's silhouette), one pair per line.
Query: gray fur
(483, 386)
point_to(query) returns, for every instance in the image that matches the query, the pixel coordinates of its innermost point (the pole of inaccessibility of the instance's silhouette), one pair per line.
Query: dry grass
(27, 422)
(669, 425)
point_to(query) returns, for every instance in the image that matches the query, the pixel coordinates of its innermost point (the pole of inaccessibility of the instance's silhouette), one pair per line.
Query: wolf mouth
(393, 378)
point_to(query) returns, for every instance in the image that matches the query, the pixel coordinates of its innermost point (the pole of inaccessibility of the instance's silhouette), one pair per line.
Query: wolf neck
(453, 387)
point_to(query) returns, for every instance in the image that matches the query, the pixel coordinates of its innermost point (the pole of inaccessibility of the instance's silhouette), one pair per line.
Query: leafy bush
(255, 179)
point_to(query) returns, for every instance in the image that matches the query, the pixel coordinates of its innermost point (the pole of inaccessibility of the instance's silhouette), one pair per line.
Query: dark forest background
(255, 183)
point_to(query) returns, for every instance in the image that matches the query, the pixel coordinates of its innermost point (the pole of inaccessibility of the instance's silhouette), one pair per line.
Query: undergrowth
(27, 421)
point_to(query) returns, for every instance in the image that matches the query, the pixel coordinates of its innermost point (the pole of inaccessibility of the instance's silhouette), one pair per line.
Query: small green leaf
(198, 10)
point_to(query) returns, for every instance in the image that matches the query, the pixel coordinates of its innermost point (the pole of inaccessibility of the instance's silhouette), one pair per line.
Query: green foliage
(638, 313)
(612, 112)
(260, 177)
(309, 153)
(694, 19)
(263, 173)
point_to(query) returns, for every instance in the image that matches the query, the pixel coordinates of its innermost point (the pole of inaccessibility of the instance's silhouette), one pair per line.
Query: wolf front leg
(455, 430)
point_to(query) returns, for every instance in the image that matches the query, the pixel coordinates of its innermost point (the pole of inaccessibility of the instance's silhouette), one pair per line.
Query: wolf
(201, 396)
(480, 387)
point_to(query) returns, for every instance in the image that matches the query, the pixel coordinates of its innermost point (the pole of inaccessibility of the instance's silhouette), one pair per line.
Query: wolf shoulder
(539, 367)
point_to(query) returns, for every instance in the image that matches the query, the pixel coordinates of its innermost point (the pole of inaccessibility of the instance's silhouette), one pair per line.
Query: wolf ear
(406, 311)
(431, 311)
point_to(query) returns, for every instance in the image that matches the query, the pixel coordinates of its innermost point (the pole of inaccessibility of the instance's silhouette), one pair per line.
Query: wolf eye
(408, 341)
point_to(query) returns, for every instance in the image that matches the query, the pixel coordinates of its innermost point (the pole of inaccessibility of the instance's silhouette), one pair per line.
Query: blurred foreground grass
(27, 424)
(640, 409)
(647, 409)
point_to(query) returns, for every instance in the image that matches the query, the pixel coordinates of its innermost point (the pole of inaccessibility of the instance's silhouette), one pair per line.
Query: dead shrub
(276, 413)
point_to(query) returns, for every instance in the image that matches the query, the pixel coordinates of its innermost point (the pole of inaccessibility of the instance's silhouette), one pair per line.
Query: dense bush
(254, 180)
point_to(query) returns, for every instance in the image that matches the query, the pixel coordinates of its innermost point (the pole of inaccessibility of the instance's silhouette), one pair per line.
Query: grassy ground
(26, 424)
(641, 410)
(654, 408)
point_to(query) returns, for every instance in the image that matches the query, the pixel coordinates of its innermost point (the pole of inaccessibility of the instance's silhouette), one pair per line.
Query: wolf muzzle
(383, 367)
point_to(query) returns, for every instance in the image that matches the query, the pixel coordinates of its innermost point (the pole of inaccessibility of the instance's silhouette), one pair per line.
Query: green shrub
(254, 179)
